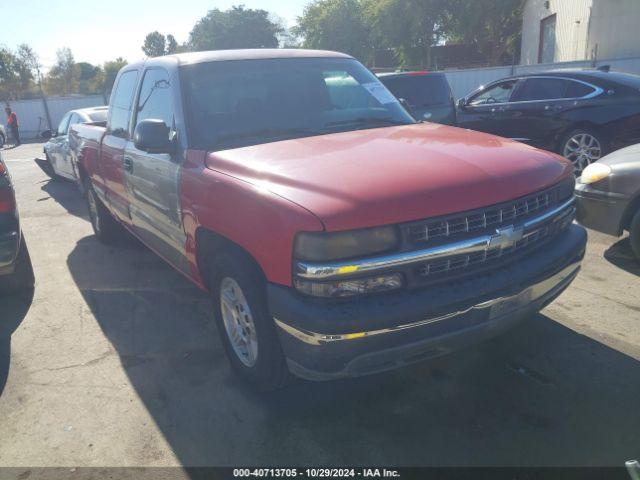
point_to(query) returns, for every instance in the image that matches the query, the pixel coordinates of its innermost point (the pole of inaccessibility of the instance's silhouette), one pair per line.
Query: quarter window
(154, 101)
(121, 100)
(579, 90)
(64, 124)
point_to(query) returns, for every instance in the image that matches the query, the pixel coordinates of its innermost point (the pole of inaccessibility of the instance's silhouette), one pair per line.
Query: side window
(542, 89)
(500, 93)
(121, 100)
(75, 118)
(155, 100)
(64, 124)
(579, 90)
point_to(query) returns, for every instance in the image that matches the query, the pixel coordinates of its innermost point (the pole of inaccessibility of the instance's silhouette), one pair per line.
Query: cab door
(114, 142)
(153, 180)
(490, 110)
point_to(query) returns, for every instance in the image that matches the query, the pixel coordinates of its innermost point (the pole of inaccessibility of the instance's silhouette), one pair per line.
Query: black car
(16, 272)
(580, 114)
(427, 96)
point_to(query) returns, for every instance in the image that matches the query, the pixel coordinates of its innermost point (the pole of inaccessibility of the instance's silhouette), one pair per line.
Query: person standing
(12, 123)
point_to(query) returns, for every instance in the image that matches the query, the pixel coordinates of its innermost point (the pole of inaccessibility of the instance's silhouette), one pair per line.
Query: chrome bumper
(494, 308)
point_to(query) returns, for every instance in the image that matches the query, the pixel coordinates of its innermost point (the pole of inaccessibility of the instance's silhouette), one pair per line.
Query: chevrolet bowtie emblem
(506, 237)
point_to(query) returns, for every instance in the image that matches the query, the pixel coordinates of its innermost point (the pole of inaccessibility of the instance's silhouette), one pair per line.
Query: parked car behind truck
(580, 114)
(60, 148)
(336, 237)
(426, 95)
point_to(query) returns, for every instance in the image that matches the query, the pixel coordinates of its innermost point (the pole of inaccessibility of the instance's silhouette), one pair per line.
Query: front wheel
(105, 227)
(2, 140)
(582, 147)
(246, 328)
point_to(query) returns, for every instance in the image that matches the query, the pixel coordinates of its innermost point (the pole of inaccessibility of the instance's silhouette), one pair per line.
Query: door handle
(127, 164)
(553, 108)
(498, 109)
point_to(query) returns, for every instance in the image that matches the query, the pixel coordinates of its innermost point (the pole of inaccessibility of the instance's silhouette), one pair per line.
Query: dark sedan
(608, 195)
(580, 114)
(16, 272)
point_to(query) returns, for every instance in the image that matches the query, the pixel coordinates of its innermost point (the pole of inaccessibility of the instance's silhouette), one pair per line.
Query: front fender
(260, 222)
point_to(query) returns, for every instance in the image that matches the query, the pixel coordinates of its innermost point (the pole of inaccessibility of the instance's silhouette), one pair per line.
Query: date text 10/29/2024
(315, 473)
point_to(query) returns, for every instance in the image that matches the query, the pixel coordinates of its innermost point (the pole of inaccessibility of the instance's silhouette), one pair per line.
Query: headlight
(322, 247)
(594, 173)
(347, 288)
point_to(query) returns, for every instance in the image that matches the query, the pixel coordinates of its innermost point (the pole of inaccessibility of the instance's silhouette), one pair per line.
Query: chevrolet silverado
(337, 237)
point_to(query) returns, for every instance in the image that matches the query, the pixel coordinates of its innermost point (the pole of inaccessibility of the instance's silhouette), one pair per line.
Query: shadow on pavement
(621, 255)
(65, 193)
(13, 309)
(540, 395)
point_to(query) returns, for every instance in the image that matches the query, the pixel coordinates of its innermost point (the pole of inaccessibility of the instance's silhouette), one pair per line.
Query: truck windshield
(238, 103)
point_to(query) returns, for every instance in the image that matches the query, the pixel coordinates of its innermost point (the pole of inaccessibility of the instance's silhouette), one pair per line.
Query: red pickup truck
(336, 236)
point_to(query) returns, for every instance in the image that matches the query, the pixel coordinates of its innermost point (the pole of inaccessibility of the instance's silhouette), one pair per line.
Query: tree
(493, 26)
(154, 44)
(335, 25)
(26, 66)
(171, 45)
(9, 79)
(237, 27)
(110, 72)
(63, 76)
(410, 27)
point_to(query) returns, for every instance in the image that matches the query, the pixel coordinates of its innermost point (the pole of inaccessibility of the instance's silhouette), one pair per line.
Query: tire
(264, 368)
(634, 234)
(22, 278)
(105, 227)
(2, 140)
(582, 147)
(47, 167)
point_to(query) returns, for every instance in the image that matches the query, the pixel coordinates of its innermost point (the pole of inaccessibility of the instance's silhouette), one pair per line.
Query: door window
(155, 101)
(121, 100)
(541, 89)
(500, 93)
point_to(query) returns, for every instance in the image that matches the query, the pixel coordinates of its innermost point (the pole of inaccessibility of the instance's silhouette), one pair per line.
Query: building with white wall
(570, 30)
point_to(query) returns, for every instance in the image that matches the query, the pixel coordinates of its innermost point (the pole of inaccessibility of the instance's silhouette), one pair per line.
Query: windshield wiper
(365, 121)
(267, 132)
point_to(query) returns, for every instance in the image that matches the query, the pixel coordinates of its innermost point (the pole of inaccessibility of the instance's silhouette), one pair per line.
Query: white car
(57, 150)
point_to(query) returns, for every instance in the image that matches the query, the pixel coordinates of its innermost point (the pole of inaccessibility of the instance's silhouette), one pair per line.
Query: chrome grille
(477, 258)
(477, 221)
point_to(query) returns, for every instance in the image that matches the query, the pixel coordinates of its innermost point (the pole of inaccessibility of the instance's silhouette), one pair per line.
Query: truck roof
(243, 54)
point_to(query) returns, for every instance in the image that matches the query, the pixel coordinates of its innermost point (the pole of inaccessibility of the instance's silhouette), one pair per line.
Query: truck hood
(390, 175)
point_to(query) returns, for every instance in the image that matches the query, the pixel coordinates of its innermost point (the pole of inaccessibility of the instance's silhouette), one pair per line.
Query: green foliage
(171, 45)
(237, 27)
(154, 44)
(17, 72)
(111, 70)
(493, 26)
(336, 25)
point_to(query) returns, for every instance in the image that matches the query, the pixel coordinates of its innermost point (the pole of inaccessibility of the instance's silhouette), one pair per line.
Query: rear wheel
(634, 234)
(582, 147)
(2, 140)
(246, 328)
(105, 227)
(22, 278)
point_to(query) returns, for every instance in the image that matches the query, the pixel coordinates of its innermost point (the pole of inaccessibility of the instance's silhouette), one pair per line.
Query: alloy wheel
(582, 149)
(238, 322)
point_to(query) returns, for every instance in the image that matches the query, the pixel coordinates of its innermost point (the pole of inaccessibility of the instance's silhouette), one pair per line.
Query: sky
(98, 31)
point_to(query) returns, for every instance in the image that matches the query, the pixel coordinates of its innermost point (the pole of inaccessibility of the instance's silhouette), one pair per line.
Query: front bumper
(324, 340)
(599, 210)
(9, 244)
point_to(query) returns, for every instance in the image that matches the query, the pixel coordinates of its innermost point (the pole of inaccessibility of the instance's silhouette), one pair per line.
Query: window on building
(547, 50)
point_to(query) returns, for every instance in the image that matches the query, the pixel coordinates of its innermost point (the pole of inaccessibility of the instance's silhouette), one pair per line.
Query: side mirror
(153, 136)
(47, 134)
(462, 103)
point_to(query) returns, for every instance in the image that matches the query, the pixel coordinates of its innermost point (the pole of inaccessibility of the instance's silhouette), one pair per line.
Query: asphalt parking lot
(115, 361)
